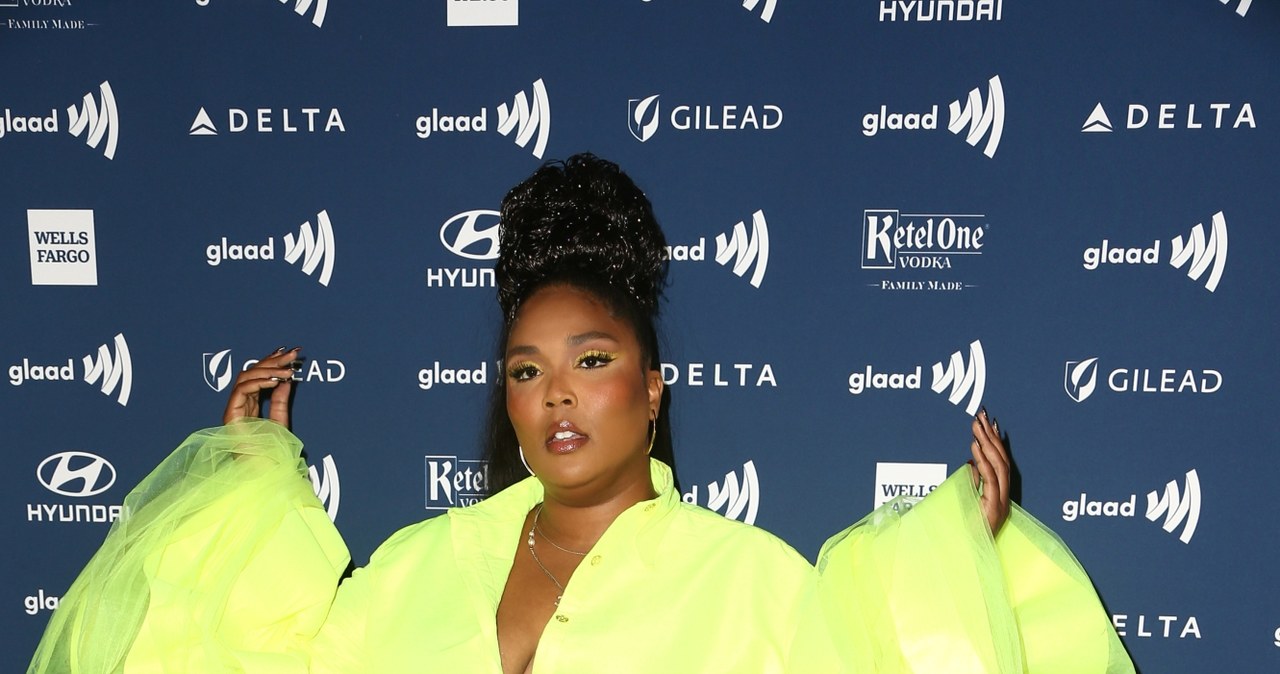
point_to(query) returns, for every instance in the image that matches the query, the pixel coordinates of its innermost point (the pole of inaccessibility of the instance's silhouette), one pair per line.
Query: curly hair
(580, 223)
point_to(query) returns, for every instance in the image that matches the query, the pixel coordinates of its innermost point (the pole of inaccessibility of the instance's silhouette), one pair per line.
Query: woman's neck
(577, 524)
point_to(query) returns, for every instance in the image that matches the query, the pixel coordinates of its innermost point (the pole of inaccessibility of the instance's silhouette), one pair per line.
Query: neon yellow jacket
(226, 563)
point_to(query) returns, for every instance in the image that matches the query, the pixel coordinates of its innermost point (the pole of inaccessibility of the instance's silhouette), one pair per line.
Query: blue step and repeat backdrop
(882, 215)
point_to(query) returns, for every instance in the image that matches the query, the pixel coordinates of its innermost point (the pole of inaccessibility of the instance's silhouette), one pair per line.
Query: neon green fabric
(226, 563)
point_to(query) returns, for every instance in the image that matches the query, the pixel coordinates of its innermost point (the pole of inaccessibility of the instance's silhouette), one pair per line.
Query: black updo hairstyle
(580, 223)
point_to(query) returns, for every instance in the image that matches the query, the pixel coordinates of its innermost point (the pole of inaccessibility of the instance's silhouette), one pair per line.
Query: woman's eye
(523, 372)
(594, 359)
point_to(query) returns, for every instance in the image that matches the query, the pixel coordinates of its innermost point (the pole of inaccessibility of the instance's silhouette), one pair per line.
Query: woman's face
(579, 395)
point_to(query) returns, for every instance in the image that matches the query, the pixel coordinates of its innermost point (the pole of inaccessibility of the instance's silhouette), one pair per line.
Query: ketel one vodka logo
(528, 117)
(932, 243)
(1179, 506)
(1198, 252)
(313, 249)
(453, 483)
(740, 249)
(974, 120)
(737, 498)
(95, 120)
(110, 370)
(952, 377)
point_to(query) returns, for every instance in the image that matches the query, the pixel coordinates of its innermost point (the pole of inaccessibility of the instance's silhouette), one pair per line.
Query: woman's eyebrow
(521, 350)
(579, 339)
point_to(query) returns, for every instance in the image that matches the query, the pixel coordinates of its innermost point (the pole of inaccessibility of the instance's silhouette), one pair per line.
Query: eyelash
(526, 370)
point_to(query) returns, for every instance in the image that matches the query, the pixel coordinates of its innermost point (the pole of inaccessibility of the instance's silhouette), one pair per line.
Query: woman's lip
(575, 438)
(567, 445)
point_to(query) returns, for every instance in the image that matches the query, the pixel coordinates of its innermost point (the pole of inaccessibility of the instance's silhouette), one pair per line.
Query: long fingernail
(279, 379)
(295, 365)
(278, 350)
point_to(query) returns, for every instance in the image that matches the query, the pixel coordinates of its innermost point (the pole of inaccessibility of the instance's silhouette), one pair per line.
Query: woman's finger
(272, 372)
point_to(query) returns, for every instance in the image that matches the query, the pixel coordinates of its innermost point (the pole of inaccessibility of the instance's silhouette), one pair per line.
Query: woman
(590, 561)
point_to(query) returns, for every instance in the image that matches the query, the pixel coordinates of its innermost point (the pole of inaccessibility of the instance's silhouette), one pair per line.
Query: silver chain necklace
(534, 553)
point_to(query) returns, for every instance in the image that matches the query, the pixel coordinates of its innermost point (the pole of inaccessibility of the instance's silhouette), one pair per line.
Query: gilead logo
(1080, 380)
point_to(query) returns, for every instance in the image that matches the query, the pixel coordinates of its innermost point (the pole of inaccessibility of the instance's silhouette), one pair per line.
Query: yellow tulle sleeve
(926, 588)
(223, 561)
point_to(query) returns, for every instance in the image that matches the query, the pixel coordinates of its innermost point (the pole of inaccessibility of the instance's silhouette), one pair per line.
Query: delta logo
(271, 120)
(312, 250)
(1202, 252)
(1164, 116)
(955, 377)
(95, 119)
(526, 119)
(742, 249)
(975, 120)
(1176, 506)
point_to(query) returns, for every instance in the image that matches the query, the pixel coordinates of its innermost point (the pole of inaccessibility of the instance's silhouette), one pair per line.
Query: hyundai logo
(76, 474)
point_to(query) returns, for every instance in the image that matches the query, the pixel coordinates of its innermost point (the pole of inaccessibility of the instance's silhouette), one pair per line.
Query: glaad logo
(77, 474)
(747, 252)
(488, 13)
(1241, 9)
(263, 120)
(1081, 380)
(1168, 116)
(1168, 629)
(472, 235)
(63, 248)
(1200, 251)
(766, 13)
(112, 370)
(300, 7)
(895, 240)
(1178, 506)
(736, 499)
(962, 379)
(982, 119)
(40, 601)
(315, 249)
(941, 10)
(96, 119)
(527, 117)
(327, 486)
(644, 116)
(454, 482)
(436, 375)
(107, 371)
(99, 119)
(908, 481)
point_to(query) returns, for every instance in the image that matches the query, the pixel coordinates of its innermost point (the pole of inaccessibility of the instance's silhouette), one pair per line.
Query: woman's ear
(653, 379)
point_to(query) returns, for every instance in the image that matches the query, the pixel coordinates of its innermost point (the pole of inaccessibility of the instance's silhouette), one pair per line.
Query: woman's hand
(273, 372)
(991, 470)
